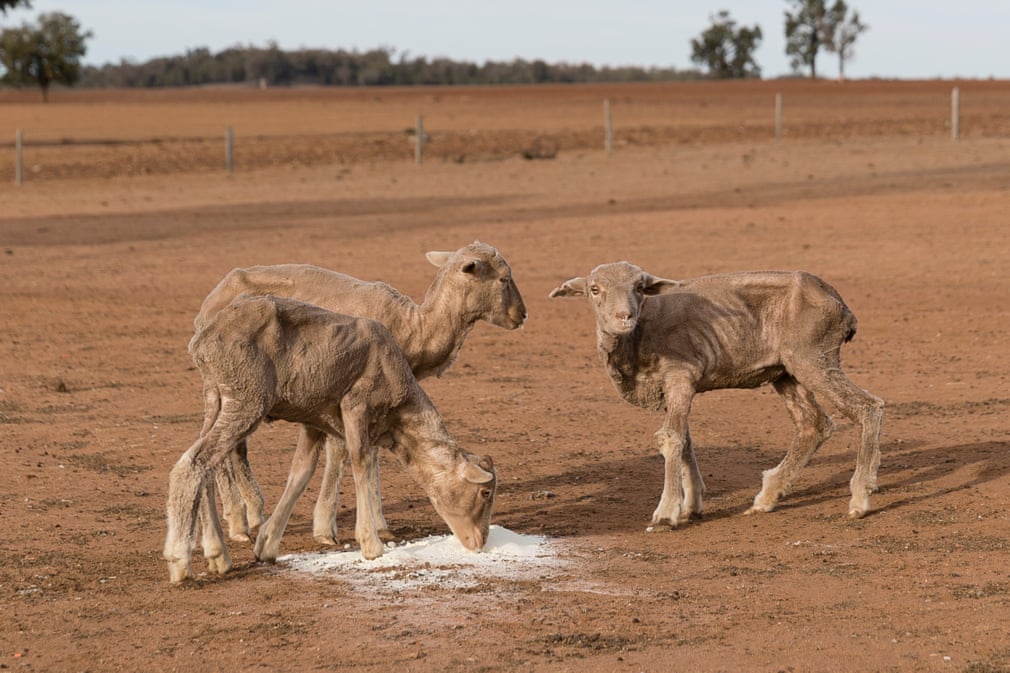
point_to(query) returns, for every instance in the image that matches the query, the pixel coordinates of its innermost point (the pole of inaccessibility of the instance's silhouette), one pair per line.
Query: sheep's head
(464, 498)
(616, 292)
(481, 280)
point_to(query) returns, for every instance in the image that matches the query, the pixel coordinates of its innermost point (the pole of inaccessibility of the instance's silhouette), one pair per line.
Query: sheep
(664, 341)
(270, 358)
(473, 283)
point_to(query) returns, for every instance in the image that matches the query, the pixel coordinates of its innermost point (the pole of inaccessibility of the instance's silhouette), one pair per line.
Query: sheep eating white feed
(269, 358)
(472, 284)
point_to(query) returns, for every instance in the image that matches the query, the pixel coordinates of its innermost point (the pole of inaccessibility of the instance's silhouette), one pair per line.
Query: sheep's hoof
(386, 536)
(858, 513)
(758, 509)
(219, 564)
(326, 540)
(178, 572)
(661, 527)
(371, 547)
(239, 537)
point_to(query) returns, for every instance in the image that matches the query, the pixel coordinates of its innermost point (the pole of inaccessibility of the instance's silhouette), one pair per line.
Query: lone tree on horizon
(11, 4)
(44, 54)
(728, 51)
(847, 27)
(808, 28)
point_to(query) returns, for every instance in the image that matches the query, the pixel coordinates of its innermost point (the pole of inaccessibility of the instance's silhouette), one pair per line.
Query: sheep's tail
(848, 318)
(211, 408)
(851, 328)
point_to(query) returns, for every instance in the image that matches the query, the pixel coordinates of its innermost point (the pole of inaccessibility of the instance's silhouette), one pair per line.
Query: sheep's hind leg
(812, 428)
(187, 496)
(248, 489)
(185, 489)
(235, 508)
(865, 409)
(214, 548)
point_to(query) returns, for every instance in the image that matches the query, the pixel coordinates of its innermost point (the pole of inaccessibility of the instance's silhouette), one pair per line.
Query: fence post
(419, 140)
(19, 163)
(955, 113)
(778, 119)
(229, 150)
(608, 128)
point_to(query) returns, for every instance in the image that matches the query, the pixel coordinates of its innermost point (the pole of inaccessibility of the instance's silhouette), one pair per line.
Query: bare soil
(107, 250)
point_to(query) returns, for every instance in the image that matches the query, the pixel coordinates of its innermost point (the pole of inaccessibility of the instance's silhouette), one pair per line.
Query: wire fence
(49, 154)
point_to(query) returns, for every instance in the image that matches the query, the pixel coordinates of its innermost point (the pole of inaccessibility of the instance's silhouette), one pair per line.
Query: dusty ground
(101, 278)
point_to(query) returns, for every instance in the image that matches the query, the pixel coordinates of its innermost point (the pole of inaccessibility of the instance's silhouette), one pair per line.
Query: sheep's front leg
(364, 465)
(303, 464)
(682, 484)
(324, 516)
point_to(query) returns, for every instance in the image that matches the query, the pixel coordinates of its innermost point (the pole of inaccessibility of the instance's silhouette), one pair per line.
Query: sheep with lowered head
(271, 358)
(664, 341)
(472, 284)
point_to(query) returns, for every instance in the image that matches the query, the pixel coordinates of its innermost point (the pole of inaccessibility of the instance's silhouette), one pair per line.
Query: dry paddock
(126, 220)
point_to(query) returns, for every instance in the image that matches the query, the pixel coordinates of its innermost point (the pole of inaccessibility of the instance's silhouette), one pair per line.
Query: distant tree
(728, 51)
(44, 54)
(847, 27)
(808, 28)
(11, 4)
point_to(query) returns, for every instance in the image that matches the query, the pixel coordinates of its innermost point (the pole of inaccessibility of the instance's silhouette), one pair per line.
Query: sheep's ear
(474, 473)
(576, 287)
(654, 285)
(438, 258)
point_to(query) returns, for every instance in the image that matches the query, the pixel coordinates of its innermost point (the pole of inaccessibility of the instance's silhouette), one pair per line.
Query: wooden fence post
(19, 160)
(419, 140)
(229, 150)
(778, 119)
(955, 113)
(608, 128)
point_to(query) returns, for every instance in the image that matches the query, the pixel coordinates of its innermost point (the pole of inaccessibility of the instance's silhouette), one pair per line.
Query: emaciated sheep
(664, 341)
(269, 358)
(473, 283)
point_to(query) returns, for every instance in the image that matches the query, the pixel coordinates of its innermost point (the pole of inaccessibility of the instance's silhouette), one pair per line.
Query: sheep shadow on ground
(604, 497)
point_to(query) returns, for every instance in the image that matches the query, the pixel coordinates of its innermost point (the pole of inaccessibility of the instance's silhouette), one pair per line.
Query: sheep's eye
(485, 493)
(594, 290)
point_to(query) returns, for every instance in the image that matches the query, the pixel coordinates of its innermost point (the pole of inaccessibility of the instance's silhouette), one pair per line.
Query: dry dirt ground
(103, 271)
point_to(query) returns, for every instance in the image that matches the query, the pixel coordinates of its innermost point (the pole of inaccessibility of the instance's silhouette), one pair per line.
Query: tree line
(50, 51)
(376, 67)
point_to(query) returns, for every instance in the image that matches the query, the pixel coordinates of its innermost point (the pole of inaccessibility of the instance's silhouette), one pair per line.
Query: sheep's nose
(622, 315)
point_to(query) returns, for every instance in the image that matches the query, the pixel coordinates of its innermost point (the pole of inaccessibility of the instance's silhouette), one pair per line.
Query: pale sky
(908, 40)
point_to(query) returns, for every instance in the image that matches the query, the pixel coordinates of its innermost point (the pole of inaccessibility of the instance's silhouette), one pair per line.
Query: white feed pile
(437, 560)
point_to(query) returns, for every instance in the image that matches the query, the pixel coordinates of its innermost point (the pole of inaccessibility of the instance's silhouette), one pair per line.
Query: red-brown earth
(126, 220)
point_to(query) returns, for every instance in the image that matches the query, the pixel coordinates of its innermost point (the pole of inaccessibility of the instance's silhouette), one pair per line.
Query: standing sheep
(664, 341)
(474, 283)
(268, 358)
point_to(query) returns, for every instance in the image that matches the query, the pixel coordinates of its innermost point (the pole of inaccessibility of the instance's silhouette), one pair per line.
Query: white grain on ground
(437, 560)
